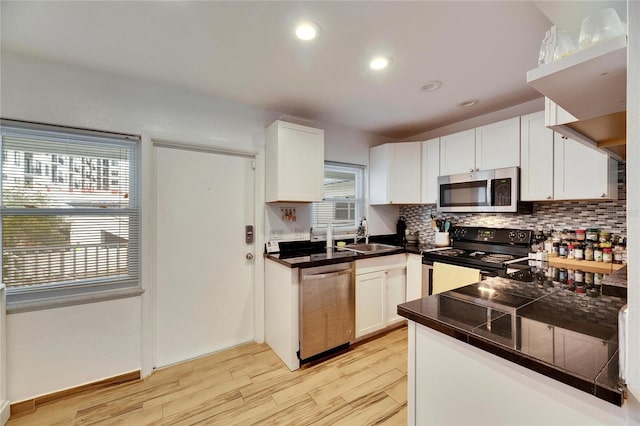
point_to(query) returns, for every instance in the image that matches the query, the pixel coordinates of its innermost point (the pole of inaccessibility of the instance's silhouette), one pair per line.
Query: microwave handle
(489, 192)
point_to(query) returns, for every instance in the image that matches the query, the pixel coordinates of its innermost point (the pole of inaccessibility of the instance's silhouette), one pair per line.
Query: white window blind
(343, 197)
(70, 211)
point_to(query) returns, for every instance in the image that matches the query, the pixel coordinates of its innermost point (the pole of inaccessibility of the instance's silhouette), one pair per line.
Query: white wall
(55, 349)
(34, 90)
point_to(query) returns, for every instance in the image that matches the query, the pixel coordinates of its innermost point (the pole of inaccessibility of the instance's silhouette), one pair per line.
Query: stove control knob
(521, 235)
(512, 235)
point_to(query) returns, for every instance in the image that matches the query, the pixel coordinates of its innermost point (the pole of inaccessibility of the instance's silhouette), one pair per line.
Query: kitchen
(189, 116)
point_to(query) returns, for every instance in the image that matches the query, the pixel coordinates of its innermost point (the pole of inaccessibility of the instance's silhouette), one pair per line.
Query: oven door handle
(490, 192)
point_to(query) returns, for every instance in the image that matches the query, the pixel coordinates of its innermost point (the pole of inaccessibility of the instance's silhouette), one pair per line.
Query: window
(53, 234)
(343, 197)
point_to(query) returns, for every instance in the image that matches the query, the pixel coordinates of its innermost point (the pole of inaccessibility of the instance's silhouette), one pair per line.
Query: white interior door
(204, 281)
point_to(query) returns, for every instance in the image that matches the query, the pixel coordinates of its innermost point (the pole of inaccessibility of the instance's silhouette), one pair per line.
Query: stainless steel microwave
(490, 191)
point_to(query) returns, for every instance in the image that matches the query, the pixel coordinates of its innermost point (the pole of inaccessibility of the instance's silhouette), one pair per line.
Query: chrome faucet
(363, 231)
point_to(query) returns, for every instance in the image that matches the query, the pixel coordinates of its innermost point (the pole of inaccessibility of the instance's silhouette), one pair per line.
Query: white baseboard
(5, 411)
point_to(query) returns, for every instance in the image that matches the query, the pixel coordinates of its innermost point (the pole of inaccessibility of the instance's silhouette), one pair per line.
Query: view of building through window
(67, 214)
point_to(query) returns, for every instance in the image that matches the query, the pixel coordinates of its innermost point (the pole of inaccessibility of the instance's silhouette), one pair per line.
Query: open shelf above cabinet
(590, 83)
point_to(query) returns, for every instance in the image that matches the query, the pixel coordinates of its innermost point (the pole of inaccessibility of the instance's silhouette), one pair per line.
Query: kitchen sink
(371, 248)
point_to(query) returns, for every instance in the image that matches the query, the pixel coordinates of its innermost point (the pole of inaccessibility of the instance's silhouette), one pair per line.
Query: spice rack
(585, 265)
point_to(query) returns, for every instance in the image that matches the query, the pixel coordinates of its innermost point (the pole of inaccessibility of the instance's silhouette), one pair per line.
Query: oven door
(448, 277)
(466, 192)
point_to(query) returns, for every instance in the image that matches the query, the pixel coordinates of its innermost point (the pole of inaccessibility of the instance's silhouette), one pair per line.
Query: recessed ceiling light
(469, 103)
(307, 30)
(432, 85)
(380, 62)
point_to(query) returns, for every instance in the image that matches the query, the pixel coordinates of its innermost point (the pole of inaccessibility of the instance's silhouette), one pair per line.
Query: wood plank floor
(248, 385)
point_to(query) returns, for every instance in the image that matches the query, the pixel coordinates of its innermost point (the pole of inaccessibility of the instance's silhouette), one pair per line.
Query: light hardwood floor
(249, 385)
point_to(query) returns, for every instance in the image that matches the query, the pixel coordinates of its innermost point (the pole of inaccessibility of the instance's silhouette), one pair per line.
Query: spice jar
(607, 255)
(562, 250)
(571, 251)
(597, 253)
(580, 235)
(592, 234)
(588, 278)
(617, 253)
(597, 278)
(604, 236)
(578, 276)
(588, 251)
(578, 251)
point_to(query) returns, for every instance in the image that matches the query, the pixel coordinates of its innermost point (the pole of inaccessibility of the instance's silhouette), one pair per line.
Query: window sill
(80, 299)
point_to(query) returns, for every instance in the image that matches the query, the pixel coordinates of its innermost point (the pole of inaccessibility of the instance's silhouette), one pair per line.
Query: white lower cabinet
(370, 302)
(381, 285)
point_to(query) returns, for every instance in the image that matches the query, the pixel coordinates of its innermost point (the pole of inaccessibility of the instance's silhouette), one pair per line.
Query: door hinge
(253, 164)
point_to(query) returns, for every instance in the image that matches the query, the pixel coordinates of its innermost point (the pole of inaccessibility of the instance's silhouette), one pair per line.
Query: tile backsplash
(606, 215)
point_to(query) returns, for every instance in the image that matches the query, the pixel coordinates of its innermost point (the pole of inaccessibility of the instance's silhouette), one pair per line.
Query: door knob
(249, 256)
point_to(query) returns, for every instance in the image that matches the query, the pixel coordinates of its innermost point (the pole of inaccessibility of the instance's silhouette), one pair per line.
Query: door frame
(149, 141)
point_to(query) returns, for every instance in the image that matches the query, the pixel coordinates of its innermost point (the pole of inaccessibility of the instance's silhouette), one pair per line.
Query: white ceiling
(245, 51)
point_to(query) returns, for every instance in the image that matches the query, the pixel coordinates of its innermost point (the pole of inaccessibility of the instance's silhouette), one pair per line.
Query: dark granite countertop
(564, 335)
(306, 254)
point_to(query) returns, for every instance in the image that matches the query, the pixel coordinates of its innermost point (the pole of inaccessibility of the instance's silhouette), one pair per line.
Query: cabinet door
(457, 153)
(396, 283)
(294, 163)
(379, 174)
(579, 353)
(498, 145)
(581, 172)
(430, 171)
(370, 302)
(414, 276)
(405, 173)
(536, 158)
(537, 339)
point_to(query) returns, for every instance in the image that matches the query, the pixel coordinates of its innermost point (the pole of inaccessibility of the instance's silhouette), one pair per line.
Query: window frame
(50, 295)
(359, 200)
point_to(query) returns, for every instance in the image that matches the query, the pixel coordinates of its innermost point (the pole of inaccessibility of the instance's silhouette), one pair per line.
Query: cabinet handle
(549, 327)
(603, 195)
(549, 197)
(471, 170)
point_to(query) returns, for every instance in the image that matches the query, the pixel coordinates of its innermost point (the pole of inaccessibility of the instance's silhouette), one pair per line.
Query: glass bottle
(588, 251)
(597, 253)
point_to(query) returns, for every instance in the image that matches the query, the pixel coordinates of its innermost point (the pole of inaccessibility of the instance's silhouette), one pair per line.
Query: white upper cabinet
(430, 171)
(498, 145)
(493, 146)
(294, 158)
(536, 158)
(581, 172)
(457, 153)
(395, 173)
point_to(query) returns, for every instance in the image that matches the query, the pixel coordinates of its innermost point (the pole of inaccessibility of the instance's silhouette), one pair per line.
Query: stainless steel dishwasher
(327, 308)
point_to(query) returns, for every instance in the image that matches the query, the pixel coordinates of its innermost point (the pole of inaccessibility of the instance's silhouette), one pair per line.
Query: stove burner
(449, 252)
(496, 258)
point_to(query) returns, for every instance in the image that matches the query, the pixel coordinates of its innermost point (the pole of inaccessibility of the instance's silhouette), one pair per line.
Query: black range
(488, 249)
